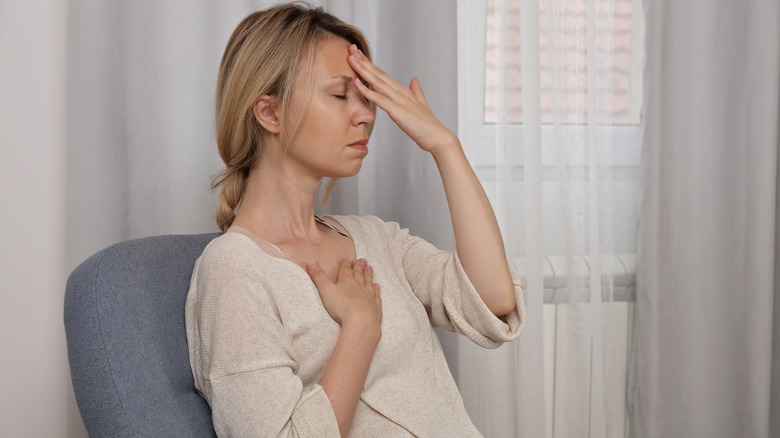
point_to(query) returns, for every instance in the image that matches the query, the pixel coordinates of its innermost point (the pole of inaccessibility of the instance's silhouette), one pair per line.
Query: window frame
(479, 137)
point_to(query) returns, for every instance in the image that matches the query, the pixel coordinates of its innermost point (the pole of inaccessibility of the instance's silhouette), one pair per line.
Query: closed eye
(340, 96)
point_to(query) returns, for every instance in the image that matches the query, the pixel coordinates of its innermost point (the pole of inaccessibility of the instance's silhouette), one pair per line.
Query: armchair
(127, 347)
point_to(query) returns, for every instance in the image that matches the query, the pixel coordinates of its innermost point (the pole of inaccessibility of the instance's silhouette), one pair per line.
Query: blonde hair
(262, 57)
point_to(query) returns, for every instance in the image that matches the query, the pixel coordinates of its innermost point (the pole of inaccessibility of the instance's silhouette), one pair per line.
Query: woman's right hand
(354, 302)
(354, 299)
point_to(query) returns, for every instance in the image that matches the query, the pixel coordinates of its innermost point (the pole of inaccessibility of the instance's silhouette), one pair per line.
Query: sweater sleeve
(242, 357)
(438, 279)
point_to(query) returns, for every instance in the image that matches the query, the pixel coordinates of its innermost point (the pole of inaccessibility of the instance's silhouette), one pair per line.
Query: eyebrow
(345, 78)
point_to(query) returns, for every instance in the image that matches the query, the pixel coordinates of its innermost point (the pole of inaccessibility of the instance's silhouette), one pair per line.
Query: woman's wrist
(448, 149)
(446, 146)
(362, 328)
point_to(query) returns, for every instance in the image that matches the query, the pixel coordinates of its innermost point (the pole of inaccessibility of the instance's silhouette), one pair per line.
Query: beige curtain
(708, 224)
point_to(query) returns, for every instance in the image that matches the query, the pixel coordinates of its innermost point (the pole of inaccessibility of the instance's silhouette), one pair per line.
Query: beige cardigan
(259, 338)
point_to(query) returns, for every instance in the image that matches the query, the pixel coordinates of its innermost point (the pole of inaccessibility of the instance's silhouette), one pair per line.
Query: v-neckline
(268, 248)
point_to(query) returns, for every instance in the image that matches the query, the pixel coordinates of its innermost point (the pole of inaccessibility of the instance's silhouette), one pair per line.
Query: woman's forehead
(330, 62)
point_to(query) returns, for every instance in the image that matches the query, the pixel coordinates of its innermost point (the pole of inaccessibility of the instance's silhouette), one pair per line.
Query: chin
(347, 172)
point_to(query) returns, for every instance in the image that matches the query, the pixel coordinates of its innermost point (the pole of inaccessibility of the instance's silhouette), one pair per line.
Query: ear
(266, 110)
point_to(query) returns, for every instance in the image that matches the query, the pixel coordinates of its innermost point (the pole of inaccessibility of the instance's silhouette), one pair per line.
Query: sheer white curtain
(707, 272)
(141, 148)
(550, 112)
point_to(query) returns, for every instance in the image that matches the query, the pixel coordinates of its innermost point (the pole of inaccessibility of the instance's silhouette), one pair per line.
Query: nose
(363, 113)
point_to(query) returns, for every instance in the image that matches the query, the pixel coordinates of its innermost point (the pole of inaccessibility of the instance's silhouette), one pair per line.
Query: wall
(36, 400)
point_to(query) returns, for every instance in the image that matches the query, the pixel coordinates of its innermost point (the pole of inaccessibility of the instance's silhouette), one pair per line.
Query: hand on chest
(314, 333)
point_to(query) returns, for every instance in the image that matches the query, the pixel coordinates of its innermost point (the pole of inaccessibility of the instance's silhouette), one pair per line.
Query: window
(618, 75)
(494, 141)
(484, 54)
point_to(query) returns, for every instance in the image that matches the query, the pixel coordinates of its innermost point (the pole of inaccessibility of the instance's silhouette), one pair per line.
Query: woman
(288, 331)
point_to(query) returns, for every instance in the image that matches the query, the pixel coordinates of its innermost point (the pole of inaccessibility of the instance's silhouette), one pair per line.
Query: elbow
(503, 304)
(503, 311)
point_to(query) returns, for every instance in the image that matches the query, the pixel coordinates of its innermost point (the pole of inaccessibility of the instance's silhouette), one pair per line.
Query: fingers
(317, 274)
(407, 106)
(345, 270)
(368, 280)
(417, 90)
(353, 297)
(358, 269)
(379, 93)
(383, 88)
(368, 275)
(369, 71)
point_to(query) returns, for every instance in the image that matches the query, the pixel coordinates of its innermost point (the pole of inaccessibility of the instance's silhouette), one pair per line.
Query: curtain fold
(774, 401)
(141, 154)
(707, 228)
(554, 139)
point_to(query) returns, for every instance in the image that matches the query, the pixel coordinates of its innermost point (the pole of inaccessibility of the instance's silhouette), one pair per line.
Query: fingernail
(311, 265)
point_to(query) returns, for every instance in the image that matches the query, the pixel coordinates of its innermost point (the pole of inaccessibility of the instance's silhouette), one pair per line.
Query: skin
(477, 236)
(331, 143)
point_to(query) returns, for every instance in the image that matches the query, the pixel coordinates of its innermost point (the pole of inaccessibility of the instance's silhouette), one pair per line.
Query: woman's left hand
(406, 106)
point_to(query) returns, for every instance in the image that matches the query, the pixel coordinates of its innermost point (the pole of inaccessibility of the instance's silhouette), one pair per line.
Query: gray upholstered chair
(127, 348)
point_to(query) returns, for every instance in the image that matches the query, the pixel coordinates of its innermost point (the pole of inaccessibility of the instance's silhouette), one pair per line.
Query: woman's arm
(477, 236)
(355, 303)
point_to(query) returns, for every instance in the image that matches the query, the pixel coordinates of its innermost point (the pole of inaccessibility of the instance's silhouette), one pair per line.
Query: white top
(260, 338)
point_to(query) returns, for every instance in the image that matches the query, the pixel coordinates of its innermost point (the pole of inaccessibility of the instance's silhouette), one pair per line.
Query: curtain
(140, 122)
(706, 276)
(140, 150)
(553, 133)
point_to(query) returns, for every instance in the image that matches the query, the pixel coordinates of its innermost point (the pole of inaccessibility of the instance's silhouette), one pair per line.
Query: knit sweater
(260, 338)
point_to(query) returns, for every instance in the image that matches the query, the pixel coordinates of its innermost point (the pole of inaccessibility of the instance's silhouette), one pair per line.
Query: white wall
(36, 399)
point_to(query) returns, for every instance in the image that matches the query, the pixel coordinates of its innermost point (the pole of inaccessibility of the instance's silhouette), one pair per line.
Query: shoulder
(230, 278)
(228, 250)
(230, 259)
(368, 226)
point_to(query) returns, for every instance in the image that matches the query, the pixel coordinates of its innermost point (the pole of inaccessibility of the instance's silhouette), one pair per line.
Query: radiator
(567, 346)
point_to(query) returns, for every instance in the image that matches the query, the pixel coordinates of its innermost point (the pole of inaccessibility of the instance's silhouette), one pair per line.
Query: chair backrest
(127, 347)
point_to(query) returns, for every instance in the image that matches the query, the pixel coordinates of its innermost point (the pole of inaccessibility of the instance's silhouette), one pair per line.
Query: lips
(360, 145)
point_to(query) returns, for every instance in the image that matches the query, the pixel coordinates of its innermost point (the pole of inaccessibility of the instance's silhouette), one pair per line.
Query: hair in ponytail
(262, 57)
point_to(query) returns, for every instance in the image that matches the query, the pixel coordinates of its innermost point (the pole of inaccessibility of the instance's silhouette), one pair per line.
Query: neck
(278, 203)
